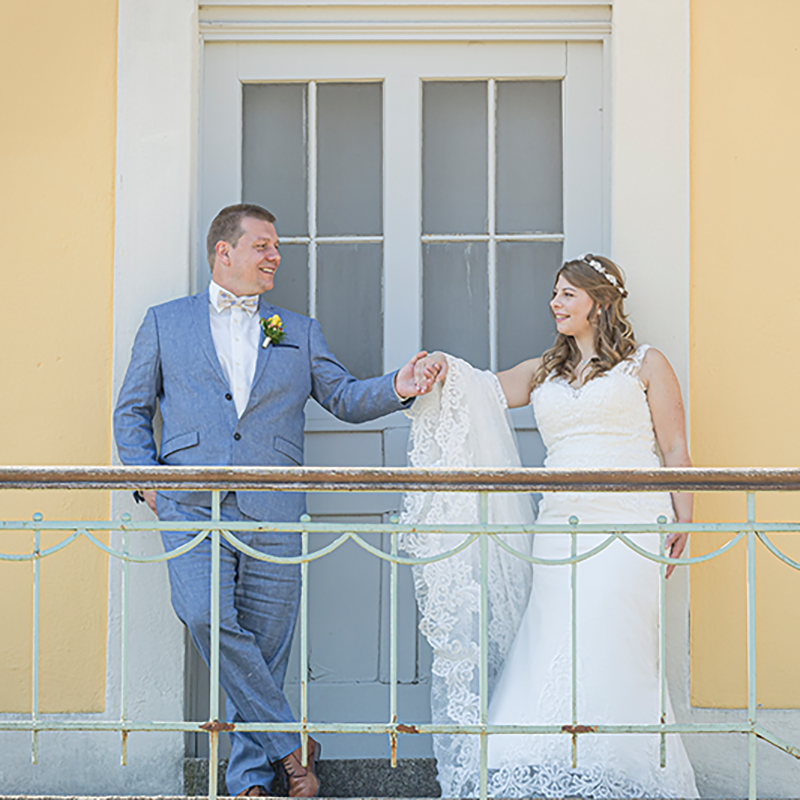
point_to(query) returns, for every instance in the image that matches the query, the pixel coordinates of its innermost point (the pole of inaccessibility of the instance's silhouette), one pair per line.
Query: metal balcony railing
(481, 481)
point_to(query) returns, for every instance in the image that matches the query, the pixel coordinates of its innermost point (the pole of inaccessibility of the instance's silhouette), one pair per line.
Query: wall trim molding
(402, 31)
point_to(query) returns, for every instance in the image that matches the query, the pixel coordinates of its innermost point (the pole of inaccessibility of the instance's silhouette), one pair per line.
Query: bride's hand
(675, 545)
(431, 369)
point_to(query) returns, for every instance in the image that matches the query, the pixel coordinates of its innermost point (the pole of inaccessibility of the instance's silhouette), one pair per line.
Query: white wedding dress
(605, 423)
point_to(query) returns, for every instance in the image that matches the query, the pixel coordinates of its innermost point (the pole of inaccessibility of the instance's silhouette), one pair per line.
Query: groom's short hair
(227, 226)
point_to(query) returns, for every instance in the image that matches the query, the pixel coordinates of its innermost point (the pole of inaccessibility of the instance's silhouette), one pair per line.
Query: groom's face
(249, 267)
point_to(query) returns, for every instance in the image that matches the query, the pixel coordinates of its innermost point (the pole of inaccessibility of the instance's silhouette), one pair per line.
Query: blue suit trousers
(258, 608)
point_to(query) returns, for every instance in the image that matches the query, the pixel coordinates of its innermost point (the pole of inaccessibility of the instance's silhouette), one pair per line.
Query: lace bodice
(604, 423)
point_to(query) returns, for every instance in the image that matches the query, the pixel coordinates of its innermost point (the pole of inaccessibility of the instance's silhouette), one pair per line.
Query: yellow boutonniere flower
(273, 330)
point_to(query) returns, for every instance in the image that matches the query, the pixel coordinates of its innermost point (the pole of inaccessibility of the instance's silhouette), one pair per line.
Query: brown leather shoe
(302, 781)
(254, 791)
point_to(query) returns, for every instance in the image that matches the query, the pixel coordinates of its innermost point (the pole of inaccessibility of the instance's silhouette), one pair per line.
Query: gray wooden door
(425, 195)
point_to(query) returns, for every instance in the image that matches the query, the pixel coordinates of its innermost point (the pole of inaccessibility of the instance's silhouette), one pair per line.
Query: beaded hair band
(598, 267)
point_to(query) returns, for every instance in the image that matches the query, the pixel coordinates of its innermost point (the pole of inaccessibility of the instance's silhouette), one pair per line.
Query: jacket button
(228, 396)
(237, 436)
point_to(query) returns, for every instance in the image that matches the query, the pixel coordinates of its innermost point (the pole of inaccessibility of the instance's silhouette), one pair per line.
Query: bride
(600, 401)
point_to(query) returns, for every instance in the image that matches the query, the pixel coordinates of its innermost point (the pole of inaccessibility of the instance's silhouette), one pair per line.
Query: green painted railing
(386, 479)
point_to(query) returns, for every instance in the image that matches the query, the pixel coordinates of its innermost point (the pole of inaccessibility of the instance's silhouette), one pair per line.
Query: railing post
(751, 646)
(573, 588)
(662, 642)
(393, 645)
(123, 700)
(304, 644)
(37, 561)
(213, 700)
(484, 645)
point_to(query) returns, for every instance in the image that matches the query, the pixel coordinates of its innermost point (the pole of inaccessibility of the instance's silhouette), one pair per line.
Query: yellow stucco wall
(745, 327)
(57, 159)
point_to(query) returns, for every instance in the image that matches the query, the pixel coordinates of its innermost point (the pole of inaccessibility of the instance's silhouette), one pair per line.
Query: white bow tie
(227, 300)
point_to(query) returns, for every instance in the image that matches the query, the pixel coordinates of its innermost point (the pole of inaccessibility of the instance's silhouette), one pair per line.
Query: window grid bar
(491, 193)
(437, 238)
(312, 198)
(332, 239)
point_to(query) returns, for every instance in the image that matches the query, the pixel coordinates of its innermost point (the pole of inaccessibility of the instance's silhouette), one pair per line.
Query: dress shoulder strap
(633, 363)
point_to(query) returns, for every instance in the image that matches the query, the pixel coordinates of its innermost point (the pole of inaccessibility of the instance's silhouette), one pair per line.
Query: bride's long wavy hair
(613, 334)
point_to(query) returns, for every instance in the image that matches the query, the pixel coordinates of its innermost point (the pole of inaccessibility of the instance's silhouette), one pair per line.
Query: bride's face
(571, 307)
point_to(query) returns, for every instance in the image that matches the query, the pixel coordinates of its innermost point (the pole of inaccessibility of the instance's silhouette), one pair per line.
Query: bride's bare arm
(669, 423)
(517, 382)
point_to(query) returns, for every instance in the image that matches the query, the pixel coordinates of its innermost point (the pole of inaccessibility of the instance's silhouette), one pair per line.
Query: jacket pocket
(179, 442)
(289, 449)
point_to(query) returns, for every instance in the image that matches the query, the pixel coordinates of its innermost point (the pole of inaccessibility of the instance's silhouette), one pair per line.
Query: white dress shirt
(236, 334)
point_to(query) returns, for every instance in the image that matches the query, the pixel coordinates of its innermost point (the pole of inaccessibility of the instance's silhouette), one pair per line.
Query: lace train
(444, 433)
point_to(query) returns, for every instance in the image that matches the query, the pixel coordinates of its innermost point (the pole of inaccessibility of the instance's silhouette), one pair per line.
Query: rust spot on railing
(217, 727)
(578, 728)
(407, 728)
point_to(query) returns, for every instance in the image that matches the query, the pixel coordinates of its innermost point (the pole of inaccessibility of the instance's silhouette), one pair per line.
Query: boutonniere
(273, 330)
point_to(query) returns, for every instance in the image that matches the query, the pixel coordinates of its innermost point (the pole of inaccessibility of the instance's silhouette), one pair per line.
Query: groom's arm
(138, 398)
(349, 398)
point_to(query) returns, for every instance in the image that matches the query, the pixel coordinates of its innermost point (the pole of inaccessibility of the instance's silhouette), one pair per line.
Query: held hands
(420, 373)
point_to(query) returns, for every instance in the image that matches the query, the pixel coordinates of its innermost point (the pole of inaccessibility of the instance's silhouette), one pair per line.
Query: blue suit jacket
(174, 365)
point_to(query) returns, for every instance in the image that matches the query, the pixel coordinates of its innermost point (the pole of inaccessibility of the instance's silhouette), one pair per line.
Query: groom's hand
(407, 384)
(150, 498)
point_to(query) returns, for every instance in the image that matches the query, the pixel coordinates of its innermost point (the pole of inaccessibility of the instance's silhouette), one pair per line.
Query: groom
(229, 395)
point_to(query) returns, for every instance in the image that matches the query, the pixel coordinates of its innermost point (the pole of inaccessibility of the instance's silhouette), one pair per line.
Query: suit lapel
(265, 310)
(202, 332)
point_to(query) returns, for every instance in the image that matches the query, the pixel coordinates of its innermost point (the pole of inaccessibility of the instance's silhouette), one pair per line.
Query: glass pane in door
(455, 292)
(291, 280)
(325, 186)
(275, 176)
(349, 159)
(525, 273)
(274, 160)
(492, 217)
(529, 194)
(454, 137)
(350, 309)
